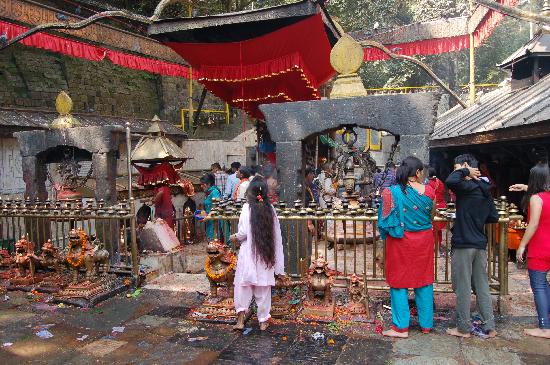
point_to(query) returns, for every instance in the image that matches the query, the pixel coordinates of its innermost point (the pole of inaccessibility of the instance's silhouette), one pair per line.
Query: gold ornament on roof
(346, 58)
(64, 105)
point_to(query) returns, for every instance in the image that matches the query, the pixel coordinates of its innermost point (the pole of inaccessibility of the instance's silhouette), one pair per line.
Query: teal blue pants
(401, 315)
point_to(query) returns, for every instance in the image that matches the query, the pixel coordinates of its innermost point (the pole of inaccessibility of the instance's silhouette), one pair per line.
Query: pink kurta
(250, 269)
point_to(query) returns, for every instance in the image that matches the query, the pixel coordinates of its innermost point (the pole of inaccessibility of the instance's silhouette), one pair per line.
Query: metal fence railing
(348, 239)
(40, 221)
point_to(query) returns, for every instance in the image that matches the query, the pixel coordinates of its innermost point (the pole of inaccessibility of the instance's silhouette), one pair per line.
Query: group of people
(405, 222)
(219, 184)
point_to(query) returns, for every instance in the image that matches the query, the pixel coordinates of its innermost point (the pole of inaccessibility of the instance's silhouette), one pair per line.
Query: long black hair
(408, 168)
(539, 181)
(261, 221)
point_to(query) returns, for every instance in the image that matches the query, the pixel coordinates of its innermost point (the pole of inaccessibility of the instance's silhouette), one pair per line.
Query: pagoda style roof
(236, 26)
(14, 120)
(253, 57)
(156, 147)
(539, 45)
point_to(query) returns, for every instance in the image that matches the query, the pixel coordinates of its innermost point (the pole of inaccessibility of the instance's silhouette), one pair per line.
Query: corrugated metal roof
(36, 119)
(502, 108)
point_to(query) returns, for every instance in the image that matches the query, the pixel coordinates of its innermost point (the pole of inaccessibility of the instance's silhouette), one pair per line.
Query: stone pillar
(34, 175)
(105, 165)
(289, 166)
(415, 145)
(105, 168)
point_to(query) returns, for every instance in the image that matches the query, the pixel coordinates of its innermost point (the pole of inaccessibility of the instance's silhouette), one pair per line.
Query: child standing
(260, 256)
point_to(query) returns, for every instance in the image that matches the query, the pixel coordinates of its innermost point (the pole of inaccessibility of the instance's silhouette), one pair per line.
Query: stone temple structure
(61, 142)
(409, 117)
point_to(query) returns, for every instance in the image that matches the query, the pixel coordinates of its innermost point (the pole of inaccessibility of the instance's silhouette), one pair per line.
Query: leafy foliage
(453, 68)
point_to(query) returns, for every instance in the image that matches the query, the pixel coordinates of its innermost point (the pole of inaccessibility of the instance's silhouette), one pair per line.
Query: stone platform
(157, 264)
(87, 295)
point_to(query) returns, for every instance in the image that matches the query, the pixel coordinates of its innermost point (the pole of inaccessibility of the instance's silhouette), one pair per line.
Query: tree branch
(78, 25)
(514, 12)
(160, 8)
(428, 70)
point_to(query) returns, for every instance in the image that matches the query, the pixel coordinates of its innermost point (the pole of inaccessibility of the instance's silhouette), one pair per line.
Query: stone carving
(357, 298)
(220, 267)
(87, 254)
(320, 280)
(49, 258)
(6, 260)
(24, 258)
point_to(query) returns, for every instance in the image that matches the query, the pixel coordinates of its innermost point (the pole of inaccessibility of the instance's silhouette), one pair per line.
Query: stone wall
(32, 78)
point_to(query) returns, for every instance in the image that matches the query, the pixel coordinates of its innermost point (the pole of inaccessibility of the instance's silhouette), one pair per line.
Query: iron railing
(40, 221)
(348, 239)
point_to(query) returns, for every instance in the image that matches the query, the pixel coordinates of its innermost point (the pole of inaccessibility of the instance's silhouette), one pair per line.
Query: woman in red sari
(405, 222)
(439, 189)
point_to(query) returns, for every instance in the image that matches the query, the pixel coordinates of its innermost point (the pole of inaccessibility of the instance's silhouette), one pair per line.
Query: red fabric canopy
(285, 65)
(90, 52)
(444, 45)
(163, 173)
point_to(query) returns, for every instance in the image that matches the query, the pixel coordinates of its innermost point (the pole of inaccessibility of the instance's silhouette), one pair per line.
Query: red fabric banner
(285, 65)
(148, 64)
(90, 52)
(443, 45)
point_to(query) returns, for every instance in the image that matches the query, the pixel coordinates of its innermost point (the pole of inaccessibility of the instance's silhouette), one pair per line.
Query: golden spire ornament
(346, 58)
(64, 105)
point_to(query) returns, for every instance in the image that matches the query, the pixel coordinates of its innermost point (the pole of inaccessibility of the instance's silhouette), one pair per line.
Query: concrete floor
(157, 331)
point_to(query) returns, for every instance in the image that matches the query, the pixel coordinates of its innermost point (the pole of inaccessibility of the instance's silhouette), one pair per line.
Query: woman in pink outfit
(260, 256)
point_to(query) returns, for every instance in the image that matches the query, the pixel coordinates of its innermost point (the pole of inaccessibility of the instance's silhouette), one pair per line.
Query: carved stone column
(34, 175)
(105, 169)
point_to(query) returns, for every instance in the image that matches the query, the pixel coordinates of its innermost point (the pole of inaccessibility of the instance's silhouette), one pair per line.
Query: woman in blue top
(405, 222)
(211, 191)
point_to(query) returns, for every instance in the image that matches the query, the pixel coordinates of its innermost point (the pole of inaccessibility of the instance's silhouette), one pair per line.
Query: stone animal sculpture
(49, 258)
(87, 254)
(6, 260)
(320, 280)
(356, 291)
(25, 260)
(99, 256)
(220, 267)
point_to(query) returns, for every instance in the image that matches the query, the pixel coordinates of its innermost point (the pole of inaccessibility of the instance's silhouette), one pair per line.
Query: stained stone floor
(156, 331)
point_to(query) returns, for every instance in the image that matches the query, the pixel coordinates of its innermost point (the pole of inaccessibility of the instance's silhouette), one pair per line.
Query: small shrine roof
(497, 110)
(25, 119)
(539, 45)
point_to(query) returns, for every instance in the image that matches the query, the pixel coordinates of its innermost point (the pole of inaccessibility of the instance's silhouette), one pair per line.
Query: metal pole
(472, 84)
(129, 159)
(190, 114)
(316, 152)
(531, 24)
(134, 248)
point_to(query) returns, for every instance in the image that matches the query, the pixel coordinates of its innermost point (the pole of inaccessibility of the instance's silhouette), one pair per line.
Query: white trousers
(262, 294)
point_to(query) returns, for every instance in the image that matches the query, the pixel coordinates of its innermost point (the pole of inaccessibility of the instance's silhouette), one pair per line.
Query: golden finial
(346, 58)
(64, 105)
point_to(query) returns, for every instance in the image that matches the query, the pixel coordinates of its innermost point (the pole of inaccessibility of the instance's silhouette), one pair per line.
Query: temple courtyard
(153, 326)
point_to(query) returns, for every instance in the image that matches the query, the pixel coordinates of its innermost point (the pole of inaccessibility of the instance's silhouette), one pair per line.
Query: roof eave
(303, 8)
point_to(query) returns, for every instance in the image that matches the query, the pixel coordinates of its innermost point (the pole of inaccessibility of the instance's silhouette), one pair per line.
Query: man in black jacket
(474, 208)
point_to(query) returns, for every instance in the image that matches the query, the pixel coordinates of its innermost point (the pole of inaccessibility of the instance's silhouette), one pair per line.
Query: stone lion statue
(220, 267)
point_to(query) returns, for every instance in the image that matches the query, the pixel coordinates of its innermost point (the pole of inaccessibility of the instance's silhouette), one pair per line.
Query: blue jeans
(541, 292)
